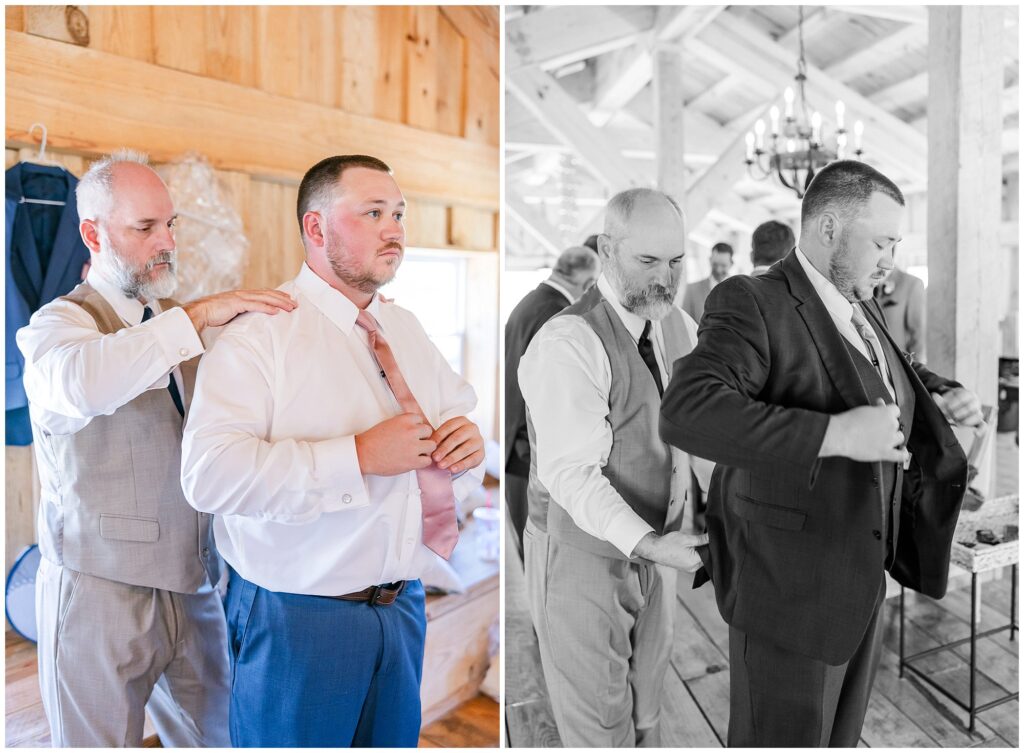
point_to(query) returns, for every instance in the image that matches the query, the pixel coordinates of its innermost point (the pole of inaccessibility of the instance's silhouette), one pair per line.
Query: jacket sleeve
(711, 407)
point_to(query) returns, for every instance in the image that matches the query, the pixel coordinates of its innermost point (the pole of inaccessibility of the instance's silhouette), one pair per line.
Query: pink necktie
(440, 528)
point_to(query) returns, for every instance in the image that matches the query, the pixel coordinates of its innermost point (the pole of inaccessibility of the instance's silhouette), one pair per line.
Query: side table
(996, 515)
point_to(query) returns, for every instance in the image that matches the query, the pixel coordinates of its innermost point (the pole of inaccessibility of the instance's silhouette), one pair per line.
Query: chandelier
(797, 149)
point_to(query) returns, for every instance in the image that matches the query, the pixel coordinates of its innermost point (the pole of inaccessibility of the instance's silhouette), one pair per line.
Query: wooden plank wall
(263, 92)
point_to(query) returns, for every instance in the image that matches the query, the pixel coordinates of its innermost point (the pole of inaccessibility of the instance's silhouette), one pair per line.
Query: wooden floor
(902, 713)
(474, 724)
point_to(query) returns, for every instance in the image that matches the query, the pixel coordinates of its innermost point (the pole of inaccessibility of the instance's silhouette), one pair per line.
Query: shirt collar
(837, 305)
(633, 323)
(129, 309)
(333, 304)
(561, 289)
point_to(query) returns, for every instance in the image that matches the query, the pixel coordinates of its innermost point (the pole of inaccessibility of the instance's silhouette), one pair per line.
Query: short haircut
(844, 187)
(591, 242)
(771, 241)
(320, 180)
(620, 206)
(94, 194)
(575, 259)
(722, 248)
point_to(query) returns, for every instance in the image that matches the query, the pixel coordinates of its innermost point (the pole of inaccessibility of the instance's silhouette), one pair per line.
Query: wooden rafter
(881, 53)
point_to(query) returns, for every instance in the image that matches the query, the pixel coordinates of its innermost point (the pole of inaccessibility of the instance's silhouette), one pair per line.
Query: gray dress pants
(604, 627)
(108, 650)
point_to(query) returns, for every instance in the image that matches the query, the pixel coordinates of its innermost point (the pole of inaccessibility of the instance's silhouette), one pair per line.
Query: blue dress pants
(311, 671)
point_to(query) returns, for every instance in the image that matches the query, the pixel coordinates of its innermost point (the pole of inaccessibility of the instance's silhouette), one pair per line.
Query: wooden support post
(964, 191)
(668, 122)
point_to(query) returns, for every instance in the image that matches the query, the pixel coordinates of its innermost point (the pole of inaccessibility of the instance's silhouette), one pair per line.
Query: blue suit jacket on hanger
(44, 255)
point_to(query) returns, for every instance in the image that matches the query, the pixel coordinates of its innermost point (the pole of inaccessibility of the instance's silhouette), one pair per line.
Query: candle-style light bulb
(774, 115)
(858, 133)
(788, 96)
(840, 145)
(840, 112)
(759, 130)
(816, 127)
(790, 145)
(750, 146)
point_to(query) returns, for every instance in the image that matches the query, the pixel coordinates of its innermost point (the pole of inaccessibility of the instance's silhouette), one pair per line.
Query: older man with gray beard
(605, 493)
(127, 614)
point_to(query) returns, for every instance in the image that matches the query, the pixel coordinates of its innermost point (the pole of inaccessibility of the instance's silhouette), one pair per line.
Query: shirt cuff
(625, 531)
(467, 482)
(336, 468)
(177, 335)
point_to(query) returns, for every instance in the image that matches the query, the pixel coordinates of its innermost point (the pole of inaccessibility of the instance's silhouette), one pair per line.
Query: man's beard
(364, 280)
(842, 275)
(652, 301)
(133, 282)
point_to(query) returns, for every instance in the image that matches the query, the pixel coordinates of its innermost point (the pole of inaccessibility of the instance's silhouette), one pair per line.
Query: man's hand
(960, 406)
(675, 549)
(870, 433)
(221, 308)
(397, 445)
(459, 445)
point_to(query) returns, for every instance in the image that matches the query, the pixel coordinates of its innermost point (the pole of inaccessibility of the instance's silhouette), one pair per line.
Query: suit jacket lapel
(830, 344)
(64, 244)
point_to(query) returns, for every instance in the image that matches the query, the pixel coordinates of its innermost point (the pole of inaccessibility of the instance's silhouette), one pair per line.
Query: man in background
(126, 608)
(697, 292)
(605, 493)
(901, 296)
(331, 444)
(771, 241)
(575, 271)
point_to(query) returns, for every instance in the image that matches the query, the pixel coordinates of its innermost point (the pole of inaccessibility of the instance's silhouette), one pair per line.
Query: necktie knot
(147, 313)
(646, 334)
(861, 325)
(365, 320)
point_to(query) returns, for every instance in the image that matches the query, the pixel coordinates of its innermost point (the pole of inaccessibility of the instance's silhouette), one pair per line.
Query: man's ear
(828, 227)
(312, 227)
(90, 233)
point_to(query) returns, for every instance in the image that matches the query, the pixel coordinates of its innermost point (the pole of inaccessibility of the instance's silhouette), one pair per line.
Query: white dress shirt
(269, 444)
(841, 311)
(566, 379)
(73, 373)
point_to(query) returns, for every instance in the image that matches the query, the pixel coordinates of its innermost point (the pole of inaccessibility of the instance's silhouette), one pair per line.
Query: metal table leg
(902, 590)
(974, 640)
(1013, 601)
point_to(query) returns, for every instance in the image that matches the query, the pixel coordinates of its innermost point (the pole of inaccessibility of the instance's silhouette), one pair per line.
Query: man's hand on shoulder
(674, 549)
(220, 308)
(459, 445)
(960, 406)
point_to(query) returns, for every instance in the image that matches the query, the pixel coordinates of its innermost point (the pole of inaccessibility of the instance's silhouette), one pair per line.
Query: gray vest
(640, 466)
(111, 503)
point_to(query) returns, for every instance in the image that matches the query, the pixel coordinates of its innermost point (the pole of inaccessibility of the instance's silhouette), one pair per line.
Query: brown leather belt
(383, 595)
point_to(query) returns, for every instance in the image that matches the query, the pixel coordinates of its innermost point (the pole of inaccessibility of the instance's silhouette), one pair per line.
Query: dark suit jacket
(794, 554)
(902, 300)
(44, 254)
(693, 299)
(526, 319)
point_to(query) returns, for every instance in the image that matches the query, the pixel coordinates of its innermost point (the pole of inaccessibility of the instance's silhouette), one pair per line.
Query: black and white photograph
(760, 306)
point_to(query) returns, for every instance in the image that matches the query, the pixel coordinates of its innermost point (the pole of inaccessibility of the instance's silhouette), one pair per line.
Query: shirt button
(182, 351)
(877, 535)
(346, 499)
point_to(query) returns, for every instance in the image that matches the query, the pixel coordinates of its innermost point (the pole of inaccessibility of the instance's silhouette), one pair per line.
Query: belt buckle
(374, 596)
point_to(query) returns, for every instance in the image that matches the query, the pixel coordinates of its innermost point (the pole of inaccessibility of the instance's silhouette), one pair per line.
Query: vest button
(874, 481)
(877, 535)
(206, 553)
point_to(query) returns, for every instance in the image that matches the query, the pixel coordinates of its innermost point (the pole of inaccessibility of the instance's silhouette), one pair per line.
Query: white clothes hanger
(42, 159)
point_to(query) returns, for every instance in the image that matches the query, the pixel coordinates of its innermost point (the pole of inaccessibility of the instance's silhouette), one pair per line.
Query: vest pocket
(769, 515)
(123, 528)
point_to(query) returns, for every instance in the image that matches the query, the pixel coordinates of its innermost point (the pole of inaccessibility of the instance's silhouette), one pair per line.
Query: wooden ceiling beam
(533, 221)
(911, 14)
(879, 54)
(909, 91)
(542, 38)
(634, 73)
